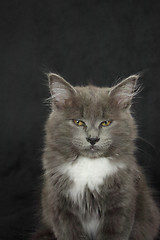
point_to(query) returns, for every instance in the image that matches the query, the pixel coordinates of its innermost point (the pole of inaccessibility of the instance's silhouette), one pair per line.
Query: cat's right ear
(62, 93)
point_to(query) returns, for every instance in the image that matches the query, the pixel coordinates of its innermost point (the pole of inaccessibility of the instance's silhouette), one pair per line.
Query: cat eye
(78, 123)
(106, 123)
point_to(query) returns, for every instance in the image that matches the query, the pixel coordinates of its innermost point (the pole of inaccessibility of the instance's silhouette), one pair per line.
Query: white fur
(88, 172)
(91, 225)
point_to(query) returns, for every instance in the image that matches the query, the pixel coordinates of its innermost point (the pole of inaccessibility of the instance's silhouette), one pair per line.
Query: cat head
(91, 121)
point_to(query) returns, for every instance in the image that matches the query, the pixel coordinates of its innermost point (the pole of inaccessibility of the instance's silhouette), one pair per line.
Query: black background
(84, 41)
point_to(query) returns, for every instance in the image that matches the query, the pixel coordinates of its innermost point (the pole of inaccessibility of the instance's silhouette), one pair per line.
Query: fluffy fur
(88, 172)
(94, 190)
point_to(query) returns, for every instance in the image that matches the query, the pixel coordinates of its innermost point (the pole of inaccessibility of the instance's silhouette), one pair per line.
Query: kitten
(93, 187)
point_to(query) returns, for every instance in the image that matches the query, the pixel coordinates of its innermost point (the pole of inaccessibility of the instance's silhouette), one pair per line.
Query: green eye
(78, 123)
(106, 123)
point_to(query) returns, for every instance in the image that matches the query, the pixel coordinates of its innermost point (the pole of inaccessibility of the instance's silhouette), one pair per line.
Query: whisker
(146, 141)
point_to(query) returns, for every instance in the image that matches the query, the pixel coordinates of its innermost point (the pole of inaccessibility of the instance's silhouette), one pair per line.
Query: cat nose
(92, 140)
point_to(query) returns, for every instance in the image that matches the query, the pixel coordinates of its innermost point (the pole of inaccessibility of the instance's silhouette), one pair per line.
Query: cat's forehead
(93, 100)
(92, 92)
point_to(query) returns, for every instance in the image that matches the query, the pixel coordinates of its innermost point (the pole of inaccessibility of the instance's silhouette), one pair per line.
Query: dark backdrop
(94, 41)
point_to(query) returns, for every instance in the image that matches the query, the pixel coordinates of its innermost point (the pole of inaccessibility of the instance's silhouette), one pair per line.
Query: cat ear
(122, 93)
(62, 92)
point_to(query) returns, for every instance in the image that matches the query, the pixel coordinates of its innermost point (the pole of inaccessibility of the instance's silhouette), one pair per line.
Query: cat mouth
(93, 152)
(93, 148)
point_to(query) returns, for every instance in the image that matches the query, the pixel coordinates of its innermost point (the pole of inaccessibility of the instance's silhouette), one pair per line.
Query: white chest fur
(90, 225)
(88, 172)
(91, 173)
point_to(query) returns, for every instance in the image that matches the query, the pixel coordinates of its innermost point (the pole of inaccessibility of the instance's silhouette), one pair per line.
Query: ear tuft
(62, 92)
(123, 93)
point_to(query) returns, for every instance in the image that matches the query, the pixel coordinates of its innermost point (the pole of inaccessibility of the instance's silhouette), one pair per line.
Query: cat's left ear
(62, 92)
(122, 93)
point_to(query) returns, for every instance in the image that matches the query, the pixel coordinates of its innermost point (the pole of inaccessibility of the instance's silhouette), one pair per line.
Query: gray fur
(123, 204)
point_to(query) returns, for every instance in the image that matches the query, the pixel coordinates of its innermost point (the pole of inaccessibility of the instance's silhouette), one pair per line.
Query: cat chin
(92, 153)
(95, 155)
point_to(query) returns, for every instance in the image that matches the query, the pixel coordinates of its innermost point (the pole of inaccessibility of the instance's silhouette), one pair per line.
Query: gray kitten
(93, 187)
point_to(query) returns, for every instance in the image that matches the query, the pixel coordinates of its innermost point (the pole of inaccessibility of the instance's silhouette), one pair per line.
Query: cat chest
(90, 225)
(86, 173)
(89, 173)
